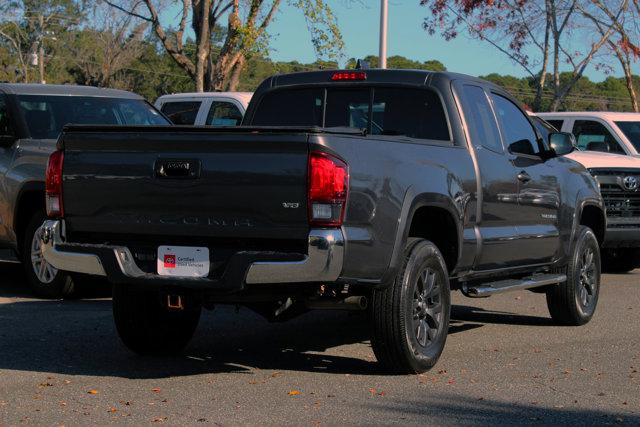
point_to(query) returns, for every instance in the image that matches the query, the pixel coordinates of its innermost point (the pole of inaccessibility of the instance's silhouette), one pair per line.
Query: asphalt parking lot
(61, 364)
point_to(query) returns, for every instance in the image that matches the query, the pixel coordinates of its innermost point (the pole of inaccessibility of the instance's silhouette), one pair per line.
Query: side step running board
(492, 288)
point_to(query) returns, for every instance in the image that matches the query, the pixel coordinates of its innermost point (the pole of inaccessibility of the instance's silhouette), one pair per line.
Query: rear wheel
(44, 279)
(620, 260)
(411, 316)
(145, 324)
(574, 301)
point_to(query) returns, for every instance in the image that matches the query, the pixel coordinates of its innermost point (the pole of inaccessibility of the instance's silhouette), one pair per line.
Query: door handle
(177, 169)
(524, 177)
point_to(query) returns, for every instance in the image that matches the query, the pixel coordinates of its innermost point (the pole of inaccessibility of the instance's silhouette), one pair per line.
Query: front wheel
(147, 327)
(410, 318)
(44, 279)
(574, 302)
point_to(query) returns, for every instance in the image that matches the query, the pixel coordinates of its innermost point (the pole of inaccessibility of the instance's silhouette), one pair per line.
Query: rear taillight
(328, 187)
(53, 185)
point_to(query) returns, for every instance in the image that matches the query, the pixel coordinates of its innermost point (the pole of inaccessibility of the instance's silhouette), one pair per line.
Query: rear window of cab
(397, 111)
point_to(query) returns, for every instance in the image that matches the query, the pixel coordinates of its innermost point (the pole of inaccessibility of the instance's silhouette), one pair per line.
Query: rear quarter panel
(23, 169)
(389, 179)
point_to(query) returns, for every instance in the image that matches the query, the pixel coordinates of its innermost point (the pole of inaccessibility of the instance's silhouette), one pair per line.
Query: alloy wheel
(588, 286)
(427, 307)
(45, 272)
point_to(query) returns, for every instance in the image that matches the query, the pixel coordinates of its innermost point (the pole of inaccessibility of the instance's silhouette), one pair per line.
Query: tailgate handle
(177, 169)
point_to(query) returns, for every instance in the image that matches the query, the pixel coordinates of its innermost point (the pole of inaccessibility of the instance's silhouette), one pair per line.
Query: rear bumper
(322, 263)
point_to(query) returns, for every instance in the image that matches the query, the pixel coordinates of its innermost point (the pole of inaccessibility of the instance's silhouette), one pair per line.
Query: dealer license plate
(183, 261)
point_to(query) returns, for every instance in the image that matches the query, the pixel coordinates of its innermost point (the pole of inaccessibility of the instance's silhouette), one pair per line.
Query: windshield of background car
(401, 111)
(46, 115)
(632, 131)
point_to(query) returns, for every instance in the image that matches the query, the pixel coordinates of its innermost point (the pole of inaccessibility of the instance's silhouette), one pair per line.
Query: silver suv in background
(206, 108)
(31, 118)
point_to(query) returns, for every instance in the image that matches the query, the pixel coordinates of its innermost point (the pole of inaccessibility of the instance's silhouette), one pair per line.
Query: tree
(537, 35)
(621, 45)
(34, 26)
(217, 67)
(104, 48)
(15, 41)
(400, 62)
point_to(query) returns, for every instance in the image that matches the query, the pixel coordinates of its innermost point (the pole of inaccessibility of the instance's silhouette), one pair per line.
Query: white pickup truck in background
(600, 138)
(206, 108)
(608, 132)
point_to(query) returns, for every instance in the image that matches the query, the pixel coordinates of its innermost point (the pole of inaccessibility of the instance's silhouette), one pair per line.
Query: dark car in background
(31, 118)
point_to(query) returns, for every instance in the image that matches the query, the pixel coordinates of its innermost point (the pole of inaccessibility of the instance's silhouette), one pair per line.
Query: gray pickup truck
(378, 190)
(31, 118)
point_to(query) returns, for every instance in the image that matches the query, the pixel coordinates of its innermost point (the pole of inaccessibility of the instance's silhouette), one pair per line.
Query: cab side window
(480, 121)
(594, 136)
(223, 114)
(181, 112)
(5, 123)
(517, 131)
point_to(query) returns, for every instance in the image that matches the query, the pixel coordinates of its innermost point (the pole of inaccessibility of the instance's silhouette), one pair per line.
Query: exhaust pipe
(349, 303)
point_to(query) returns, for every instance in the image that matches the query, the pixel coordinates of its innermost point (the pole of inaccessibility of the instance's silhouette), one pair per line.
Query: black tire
(620, 260)
(418, 300)
(574, 302)
(44, 280)
(147, 327)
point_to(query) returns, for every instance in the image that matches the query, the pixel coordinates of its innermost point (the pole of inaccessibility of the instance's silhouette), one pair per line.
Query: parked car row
(368, 190)
(617, 173)
(378, 190)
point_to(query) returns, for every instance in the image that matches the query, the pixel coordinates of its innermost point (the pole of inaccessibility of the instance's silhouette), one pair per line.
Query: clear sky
(360, 28)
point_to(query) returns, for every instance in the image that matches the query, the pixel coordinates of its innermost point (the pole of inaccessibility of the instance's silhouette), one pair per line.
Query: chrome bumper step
(492, 288)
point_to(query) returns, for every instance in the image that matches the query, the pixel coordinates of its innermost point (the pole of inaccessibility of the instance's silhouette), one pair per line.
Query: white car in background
(205, 108)
(617, 173)
(608, 132)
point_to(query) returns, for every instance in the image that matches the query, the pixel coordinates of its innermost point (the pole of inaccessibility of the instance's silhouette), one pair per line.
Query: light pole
(384, 10)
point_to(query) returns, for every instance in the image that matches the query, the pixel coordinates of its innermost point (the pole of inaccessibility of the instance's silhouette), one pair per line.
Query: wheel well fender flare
(411, 204)
(583, 201)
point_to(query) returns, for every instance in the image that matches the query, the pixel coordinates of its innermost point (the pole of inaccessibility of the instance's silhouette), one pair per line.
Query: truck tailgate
(173, 182)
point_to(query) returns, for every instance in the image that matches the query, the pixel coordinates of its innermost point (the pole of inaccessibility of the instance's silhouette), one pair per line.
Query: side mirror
(562, 143)
(7, 140)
